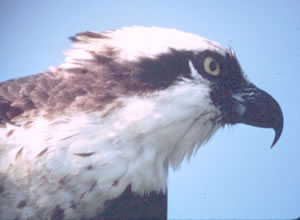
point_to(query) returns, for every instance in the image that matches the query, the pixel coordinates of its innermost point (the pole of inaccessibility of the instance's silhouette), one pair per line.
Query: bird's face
(142, 61)
(238, 100)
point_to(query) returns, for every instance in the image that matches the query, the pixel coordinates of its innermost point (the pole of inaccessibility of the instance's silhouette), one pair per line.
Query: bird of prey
(94, 137)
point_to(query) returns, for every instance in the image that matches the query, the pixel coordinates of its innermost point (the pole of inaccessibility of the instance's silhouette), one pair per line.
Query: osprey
(94, 137)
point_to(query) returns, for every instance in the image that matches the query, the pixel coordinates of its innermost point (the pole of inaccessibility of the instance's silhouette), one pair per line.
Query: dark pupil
(212, 66)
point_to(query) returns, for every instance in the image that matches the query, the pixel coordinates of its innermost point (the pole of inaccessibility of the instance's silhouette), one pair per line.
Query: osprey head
(146, 60)
(239, 100)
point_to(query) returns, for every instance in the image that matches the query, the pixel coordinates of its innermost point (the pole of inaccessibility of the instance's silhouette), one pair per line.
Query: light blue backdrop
(235, 175)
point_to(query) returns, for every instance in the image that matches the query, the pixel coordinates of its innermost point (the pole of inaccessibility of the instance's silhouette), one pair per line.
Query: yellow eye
(211, 66)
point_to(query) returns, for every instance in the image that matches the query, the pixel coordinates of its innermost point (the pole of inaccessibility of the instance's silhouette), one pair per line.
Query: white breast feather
(88, 157)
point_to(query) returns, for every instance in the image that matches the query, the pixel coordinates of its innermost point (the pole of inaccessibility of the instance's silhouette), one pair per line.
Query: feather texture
(108, 123)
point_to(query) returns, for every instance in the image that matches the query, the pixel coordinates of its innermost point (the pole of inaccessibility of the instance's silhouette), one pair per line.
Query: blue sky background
(236, 174)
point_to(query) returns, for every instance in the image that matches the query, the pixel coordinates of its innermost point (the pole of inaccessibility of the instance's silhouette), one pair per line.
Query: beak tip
(278, 131)
(274, 142)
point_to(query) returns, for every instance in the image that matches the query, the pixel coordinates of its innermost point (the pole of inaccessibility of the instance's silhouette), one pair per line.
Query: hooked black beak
(254, 106)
